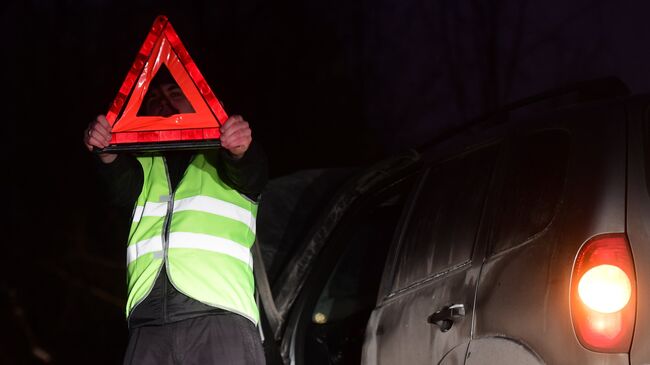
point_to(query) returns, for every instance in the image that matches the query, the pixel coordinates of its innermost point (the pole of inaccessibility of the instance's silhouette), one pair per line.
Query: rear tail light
(603, 294)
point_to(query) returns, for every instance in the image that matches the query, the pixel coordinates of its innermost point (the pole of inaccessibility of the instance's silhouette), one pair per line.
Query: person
(189, 264)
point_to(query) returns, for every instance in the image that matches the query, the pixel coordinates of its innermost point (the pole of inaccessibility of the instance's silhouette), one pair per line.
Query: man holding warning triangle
(189, 265)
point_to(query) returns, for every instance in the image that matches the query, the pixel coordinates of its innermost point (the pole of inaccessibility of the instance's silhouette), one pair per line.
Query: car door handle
(444, 318)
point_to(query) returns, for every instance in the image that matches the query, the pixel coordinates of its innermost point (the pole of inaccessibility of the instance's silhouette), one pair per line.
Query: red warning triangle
(163, 47)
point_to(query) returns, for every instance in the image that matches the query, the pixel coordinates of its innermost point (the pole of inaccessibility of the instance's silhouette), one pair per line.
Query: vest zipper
(165, 242)
(165, 239)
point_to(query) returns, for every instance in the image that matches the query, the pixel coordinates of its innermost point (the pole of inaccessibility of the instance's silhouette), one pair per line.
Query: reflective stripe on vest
(198, 203)
(204, 232)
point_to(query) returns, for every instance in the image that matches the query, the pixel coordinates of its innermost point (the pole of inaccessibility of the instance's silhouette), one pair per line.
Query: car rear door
(424, 315)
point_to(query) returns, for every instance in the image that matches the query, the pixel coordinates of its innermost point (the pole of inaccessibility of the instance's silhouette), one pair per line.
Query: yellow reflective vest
(203, 232)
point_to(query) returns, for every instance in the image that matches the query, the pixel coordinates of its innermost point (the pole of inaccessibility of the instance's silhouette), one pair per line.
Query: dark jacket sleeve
(122, 178)
(249, 174)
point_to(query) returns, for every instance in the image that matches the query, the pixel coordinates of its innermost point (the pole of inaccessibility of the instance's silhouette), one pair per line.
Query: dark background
(323, 83)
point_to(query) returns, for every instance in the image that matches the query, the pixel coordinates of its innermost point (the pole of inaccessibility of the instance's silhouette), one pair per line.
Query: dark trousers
(213, 339)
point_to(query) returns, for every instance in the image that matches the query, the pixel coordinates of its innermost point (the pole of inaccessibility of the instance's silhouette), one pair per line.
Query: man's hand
(98, 134)
(236, 136)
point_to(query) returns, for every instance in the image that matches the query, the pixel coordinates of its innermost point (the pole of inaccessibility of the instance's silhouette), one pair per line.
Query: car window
(444, 221)
(532, 188)
(334, 333)
(354, 282)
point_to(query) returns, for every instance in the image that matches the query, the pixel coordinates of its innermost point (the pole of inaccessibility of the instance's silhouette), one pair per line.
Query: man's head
(164, 97)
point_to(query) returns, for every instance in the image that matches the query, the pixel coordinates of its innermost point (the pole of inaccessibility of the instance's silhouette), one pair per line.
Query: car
(520, 238)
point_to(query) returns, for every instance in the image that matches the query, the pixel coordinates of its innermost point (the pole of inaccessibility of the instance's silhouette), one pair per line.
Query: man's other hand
(236, 136)
(98, 134)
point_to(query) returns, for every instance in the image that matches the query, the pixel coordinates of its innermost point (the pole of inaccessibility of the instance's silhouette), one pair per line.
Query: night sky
(323, 84)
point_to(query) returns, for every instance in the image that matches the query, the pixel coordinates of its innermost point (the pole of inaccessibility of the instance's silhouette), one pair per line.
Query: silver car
(521, 239)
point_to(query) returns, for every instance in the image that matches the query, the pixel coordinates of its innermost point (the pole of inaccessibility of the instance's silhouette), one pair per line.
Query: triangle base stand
(160, 146)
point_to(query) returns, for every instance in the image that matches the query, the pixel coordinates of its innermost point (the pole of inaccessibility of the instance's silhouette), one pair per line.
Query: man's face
(165, 100)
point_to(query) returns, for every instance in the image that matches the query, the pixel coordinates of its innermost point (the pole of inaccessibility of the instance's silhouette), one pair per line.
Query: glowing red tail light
(603, 294)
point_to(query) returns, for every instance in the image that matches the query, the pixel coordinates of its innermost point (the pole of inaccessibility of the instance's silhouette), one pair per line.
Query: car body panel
(524, 291)
(399, 330)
